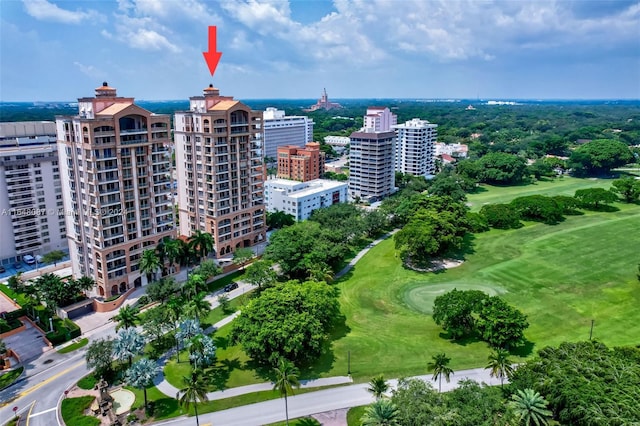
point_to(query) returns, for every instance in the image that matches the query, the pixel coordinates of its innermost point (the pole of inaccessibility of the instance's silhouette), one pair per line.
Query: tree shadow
(221, 342)
(219, 374)
(523, 350)
(461, 341)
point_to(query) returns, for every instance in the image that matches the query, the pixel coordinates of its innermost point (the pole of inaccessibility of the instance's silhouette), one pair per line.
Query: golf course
(562, 277)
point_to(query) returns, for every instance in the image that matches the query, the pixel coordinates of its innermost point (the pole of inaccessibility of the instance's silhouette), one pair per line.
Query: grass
(218, 313)
(73, 409)
(164, 407)
(8, 378)
(354, 415)
(300, 421)
(87, 382)
(72, 347)
(560, 276)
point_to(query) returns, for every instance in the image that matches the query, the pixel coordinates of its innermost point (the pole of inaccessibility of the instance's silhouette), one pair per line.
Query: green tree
(501, 216)
(628, 188)
(286, 378)
(500, 365)
(198, 306)
(378, 386)
(260, 273)
(149, 264)
(418, 403)
(15, 282)
(3, 347)
(224, 302)
(201, 243)
(194, 285)
(128, 344)
(290, 320)
(374, 222)
(454, 311)
(538, 208)
(141, 374)
(502, 168)
(595, 197)
(599, 156)
(194, 390)
(530, 407)
(381, 413)
(242, 255)
(127, 317)
(54, 257)
(207, 269)
(278, 219)
(99, 356)
(163, 289)
(440, 367)
(500, 324)
(202, 351)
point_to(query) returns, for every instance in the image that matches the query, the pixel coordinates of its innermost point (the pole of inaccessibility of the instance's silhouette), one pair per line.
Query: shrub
(501, 216)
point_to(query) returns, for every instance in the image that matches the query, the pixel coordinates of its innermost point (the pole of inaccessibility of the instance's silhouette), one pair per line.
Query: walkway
(363, 252)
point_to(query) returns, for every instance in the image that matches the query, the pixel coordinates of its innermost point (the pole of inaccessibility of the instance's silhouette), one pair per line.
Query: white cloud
(45, 11)
(141, 33)
(89, 70)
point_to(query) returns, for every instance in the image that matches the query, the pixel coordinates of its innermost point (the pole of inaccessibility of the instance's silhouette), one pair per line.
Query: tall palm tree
(381, 413)
(378, 386)
(195, 389)
(172, 250)
(175, 311)
(530, 407)
(149, 264)
(186, 255)
(126, 318)
(440, 367)
(286, 378)
(500, 365)
(198, 306)
(194, 285)
(141, 375)
(201, 243)
(15, 282)
(85, 283)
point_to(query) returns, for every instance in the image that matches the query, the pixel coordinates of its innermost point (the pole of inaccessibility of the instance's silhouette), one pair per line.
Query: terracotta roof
(113, 109)
(224, 105)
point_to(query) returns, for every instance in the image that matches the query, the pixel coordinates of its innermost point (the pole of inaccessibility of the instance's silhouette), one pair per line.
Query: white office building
(299, 199)
(31, 206)
(280, 130)
(371, 162)
(415, 147)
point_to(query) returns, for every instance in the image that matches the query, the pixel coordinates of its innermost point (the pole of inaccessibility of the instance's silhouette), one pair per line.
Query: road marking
(43, 412)
(50, 379)
(33, 404)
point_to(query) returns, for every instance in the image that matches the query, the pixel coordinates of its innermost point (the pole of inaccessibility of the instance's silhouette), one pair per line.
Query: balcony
(137, 131)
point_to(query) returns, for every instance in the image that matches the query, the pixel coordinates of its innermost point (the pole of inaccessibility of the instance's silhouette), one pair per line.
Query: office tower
(371, 165)
(31, 207)
(379, 119)
(219, 171)
(115, 170)
(415, 147)
(301, 164)
(280, 130)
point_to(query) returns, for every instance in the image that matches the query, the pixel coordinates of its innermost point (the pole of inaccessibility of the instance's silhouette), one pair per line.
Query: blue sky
(151, 49)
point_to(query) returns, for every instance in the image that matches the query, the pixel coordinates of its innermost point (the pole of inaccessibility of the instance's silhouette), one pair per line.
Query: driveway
(28, 344)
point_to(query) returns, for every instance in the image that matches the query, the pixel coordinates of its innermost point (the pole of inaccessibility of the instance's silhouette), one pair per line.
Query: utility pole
(591, 331)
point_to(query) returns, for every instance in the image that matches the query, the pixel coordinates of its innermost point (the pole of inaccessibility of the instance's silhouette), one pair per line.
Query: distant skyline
(152, 49)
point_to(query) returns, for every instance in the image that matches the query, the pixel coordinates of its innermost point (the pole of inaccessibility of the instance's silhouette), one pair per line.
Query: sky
(60, 50)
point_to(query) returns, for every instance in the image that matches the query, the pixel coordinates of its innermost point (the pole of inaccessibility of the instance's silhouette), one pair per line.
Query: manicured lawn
(73, 409)
(488, 194)
(72, 347)
(7, 378)
(354, 415)
(560, 276)
(218, 314)
(87, 382)
(165, 407)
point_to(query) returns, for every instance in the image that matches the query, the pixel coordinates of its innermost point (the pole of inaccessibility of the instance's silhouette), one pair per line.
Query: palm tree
(321, 272)
(149, 264)
(175, 311)
(85, 283)
(126, 318)
(378, 386)
(286, 378)
(195, 283)
(198, 306)
(128, 344)
(530, 407)
(186, 255)
(195, 389)
(15, 282)
(440, 367)
(172, 250)
(381, 413)
(201, 243)
(141, 375)
(500, 365)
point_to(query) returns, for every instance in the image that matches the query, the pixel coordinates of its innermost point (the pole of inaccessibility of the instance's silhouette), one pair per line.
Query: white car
(28, 259)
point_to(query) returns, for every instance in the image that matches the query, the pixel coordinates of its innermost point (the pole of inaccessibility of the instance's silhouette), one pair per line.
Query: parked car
(230, 287)
(2, 269)
(28, 259)
(17, 265)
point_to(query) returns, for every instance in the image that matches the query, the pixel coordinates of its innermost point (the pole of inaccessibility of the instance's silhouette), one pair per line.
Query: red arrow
(212, 57)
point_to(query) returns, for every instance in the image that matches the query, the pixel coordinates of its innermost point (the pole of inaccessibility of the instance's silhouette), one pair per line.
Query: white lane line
(43, 412)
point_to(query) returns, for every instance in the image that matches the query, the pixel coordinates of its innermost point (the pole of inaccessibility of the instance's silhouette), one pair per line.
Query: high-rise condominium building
(379, 119)
(31, 208)
(115, 171)
(415, 147)
(301, 164)
(280, 130)
(220, 171)
(371, 166)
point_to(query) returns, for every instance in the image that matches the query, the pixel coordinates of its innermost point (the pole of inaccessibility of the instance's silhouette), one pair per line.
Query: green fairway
(560, 276)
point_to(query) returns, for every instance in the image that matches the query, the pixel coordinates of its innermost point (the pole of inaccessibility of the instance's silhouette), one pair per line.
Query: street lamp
(348, 363)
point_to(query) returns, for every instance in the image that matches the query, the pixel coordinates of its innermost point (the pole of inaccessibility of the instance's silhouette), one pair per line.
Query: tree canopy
(599, 156)
(290, 321)
(595, 197)
(628, 188)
